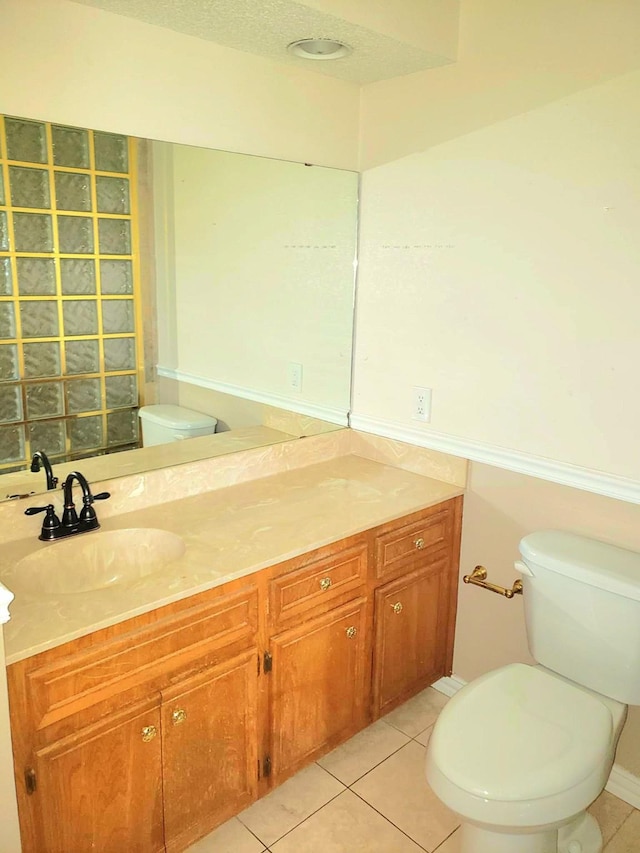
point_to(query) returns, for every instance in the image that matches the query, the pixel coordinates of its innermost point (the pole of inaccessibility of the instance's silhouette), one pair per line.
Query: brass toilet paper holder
(478, 577)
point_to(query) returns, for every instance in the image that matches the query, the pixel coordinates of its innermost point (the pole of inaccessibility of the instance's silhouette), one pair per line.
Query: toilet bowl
(521, 752)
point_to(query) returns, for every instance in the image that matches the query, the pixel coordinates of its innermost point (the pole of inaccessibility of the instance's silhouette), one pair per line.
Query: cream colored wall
(500, 508)
(73, 64)
(512, 58)
(500, 267)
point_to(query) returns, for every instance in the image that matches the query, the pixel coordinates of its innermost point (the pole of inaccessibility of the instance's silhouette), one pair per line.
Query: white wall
(69, 63)
(500, 266)
(263, 272)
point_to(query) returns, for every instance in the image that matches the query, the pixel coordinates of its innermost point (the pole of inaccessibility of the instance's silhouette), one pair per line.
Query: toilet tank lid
(176, 417)
(590, 561)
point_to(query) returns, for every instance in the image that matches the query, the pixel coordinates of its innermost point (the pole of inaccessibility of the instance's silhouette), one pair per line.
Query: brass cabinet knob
(397, 607)
(419, 543)
(351, 632)
(178, 716)
(325, 583)
(148, 733)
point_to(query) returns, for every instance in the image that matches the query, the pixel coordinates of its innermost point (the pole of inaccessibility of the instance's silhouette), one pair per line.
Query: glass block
(111, 152)
(85, 432)
(115, 236)
(121, 391)
(33, 232)
(116, 277)
(8, 362)
(122, 427)
(26, 140)
(82, 357)
(48, 436)
(73, 191)
(80, 317)
(75, 235)
(112, 195)
(3, 198)
(7, 320)
(119, 354)
(10, 403)
(6, 286)
(39, 319)
(117, 316)
(4, 232)
(29, 187)
(70, 147)
(44, 400)
(78, 276)
(83, 395)
(41, 359)
(36, 276)
(12, 446)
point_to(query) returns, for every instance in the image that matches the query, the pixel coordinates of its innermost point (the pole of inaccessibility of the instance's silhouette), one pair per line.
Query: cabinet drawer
(405, 548)
(323, 582)
(144, 659)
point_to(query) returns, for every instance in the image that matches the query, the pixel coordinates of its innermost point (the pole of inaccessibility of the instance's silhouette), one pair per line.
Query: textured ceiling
(266, 27)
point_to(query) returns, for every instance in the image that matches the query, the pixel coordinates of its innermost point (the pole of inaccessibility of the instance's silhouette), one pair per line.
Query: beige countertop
(228, 533)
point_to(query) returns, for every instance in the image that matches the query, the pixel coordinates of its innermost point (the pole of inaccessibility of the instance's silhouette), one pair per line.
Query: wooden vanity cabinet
(141, 737)
(414, 613)
(319, 654)
(145, 736)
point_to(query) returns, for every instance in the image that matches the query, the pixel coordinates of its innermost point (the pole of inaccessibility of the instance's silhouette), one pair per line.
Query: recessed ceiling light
(319, 49)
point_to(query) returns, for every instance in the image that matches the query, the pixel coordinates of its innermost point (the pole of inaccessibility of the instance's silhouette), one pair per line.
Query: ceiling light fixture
(319, 49)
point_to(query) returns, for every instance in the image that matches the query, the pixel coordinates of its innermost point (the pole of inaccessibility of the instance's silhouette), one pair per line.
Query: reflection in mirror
(135, 273)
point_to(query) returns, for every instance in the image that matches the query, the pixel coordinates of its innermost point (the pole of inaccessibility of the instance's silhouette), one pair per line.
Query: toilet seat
(520, 733)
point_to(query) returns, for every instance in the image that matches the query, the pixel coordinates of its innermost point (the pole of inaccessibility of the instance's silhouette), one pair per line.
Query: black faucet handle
(101, 496)
(51, 522)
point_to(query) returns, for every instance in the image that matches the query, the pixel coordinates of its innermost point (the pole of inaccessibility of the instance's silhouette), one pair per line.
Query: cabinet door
(318, 686)
(100, 789)
(411, 629)
(209, 748)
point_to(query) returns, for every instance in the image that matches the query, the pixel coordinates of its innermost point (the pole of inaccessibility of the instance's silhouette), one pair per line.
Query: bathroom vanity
(145, 734)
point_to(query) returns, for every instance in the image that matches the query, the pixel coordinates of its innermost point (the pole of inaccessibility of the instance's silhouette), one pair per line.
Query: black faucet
(53, 528)
(40, 458)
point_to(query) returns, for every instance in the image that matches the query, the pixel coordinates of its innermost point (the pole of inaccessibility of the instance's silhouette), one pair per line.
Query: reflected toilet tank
(163, 424)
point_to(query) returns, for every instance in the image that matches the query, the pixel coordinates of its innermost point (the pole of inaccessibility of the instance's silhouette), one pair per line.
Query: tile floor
(370, 796)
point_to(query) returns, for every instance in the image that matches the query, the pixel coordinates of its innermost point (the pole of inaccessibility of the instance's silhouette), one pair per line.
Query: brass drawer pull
(178, 716)
(397, 607)
(325, 583)
(351, 632)
(419, 543)
(148, 733)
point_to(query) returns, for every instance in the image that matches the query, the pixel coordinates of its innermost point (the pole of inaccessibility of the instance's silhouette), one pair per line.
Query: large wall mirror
(140, 272)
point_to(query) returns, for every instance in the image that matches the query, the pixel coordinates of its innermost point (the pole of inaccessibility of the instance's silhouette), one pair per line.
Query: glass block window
(70, 345)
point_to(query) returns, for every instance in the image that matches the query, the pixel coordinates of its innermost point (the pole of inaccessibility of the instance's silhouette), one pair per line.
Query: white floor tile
(350, 761)
(346, 825)
(288, 805)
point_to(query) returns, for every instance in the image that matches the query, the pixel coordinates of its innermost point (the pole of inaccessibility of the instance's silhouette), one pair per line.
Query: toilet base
(582, 835)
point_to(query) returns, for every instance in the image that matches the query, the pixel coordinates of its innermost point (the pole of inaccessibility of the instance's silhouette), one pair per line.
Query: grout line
(618, 830)
(444, 840)
(304, 819)
(384, 817)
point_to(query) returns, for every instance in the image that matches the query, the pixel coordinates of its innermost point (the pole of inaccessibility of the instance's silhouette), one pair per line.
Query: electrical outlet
(421, 404)
(295, 376)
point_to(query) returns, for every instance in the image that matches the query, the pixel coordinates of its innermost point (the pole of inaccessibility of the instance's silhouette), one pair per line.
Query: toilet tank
(582, 611)
(162, 424)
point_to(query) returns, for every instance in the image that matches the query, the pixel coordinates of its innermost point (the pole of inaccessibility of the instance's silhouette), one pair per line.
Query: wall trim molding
(564, 473)
(323, 413)
(621, 784)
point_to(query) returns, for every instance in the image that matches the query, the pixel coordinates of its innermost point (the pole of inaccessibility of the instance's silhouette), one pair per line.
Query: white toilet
(520, 753)
(162, 424)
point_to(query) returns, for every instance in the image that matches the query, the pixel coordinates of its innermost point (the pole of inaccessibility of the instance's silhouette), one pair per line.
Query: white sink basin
(96, 560)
